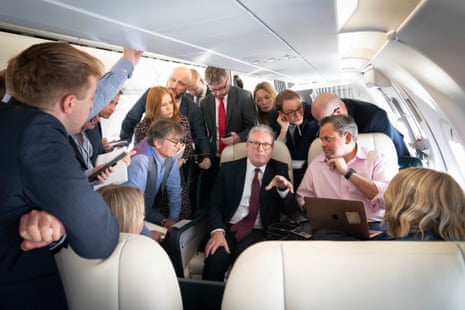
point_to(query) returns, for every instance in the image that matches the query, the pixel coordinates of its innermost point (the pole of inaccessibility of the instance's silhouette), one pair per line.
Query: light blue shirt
(138, 172)
(110, 83)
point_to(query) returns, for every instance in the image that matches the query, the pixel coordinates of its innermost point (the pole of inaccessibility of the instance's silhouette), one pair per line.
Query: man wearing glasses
(296, 128)
(346, 170)
(244, 203)
(229, 113)
(154, 169)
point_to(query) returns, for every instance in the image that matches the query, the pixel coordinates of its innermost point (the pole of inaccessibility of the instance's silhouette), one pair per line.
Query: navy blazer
(40, 171)
(228, 189)
(240, 115)
(371, 118)
(187, 108)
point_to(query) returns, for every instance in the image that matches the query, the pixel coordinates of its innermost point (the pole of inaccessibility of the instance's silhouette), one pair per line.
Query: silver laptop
(348, 216)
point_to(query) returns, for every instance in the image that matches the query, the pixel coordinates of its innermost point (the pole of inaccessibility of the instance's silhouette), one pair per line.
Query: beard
(175, 94)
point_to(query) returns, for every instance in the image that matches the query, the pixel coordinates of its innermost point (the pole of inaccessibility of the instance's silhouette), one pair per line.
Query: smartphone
(118, 143)
(227, 135)
(107, 165)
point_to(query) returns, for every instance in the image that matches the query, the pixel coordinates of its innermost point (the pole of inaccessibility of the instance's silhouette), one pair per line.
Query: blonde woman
(127, 206)
(264, 95)
(424, 204)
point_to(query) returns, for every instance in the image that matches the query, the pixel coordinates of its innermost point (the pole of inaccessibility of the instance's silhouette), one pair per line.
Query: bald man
(369, 117)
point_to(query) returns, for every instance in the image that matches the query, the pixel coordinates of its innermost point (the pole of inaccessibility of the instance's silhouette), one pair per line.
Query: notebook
(348, 216)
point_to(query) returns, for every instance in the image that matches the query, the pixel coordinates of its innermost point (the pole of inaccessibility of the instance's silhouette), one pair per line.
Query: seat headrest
(348, 275)
(372, 141)
(239, 150)
(138, 275)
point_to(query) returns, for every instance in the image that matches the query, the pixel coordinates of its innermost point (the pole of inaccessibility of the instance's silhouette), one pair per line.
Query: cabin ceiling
(298, 41)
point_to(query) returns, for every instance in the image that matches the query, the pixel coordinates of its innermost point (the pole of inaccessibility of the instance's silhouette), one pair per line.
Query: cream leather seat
(239, 150)
(372, 141)
(348, 275)
(138, 275)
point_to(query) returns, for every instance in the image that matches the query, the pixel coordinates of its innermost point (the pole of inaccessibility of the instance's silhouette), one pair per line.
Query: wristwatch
(349, 173)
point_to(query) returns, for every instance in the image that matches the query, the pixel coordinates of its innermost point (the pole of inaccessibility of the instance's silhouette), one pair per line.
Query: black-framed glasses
(176, 143)
(294, 112)
(256, 145)
(220, 88)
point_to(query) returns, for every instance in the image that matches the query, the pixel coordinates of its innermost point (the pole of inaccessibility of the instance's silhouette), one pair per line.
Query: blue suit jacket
(39, 171)
(370, 118)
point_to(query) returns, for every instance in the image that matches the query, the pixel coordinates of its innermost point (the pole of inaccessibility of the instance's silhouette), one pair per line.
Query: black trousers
(206, 181)
(218, 263)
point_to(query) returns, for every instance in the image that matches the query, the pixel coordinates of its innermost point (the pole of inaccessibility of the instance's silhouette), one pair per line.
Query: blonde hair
(267, 87)
(43, 73)
(420, 199)
(126, 204)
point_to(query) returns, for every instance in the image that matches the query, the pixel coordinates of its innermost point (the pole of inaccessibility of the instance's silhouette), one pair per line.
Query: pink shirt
(320, 181)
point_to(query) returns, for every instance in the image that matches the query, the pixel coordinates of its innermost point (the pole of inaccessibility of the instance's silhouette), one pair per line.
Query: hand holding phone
(118, 143)
(93, 176)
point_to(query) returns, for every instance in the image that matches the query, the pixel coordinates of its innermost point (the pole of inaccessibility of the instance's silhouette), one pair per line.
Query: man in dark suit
(296, 127)
(367, 116)
(239, 117)
(197, 87)
(40, 174)
(237, 219)
(239, 106)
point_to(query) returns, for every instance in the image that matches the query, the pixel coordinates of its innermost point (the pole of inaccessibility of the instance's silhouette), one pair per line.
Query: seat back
(239, 150)
(372, 141)
(138, 275)
(182, 245)
(348, 275)
(201, 294)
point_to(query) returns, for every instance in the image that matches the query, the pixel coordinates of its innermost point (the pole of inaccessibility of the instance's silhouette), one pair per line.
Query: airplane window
(458, 154)
(400, 112)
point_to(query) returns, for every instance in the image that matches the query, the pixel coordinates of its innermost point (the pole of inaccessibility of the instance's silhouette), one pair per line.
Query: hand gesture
(338, 164)
(280, 182)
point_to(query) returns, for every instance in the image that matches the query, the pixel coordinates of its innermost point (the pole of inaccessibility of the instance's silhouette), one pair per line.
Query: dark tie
(221, 124)
(297, 135)
(245, 226)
